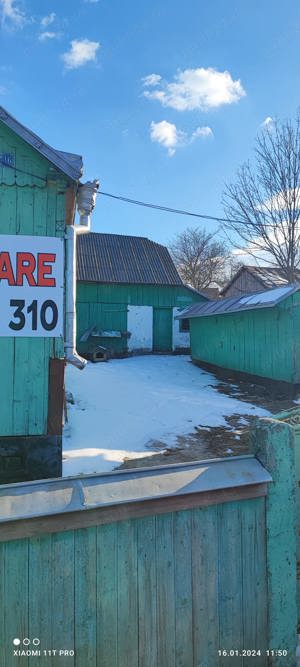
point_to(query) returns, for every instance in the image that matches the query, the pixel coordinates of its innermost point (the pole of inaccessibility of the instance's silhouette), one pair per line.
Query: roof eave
(51, 154)
(258, 306)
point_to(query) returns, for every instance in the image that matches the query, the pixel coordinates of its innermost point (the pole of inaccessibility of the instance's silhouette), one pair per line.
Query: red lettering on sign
(6, 271)
(25, 267)
(45, 259)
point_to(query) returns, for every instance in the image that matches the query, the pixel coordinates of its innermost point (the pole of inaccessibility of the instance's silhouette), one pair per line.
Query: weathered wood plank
(8, 209)
(37, 387)
(165, 590)
(127, 594)
(229, 580)
(16, 600)
(183, 590)
(85, 597)
(274, 444)
(62, 601)
(22, 386)
(107, 600)
(51, 209)
(6, 403)
(55, 396)
(42, 613)
(205, 553)
(40, 211)
(254, 579)
(147, 611)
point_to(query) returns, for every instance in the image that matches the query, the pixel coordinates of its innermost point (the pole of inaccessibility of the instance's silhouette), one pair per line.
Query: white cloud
(48, 35)
(82, 51)
(3, 90)
(198, 88)
(268, 123)
(93, 2)
(168, 135)
(11, 15)
(47, 20)
(202, 132)
(151, 80)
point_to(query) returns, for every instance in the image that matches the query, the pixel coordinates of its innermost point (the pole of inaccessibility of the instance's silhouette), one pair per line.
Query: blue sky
(80, 74)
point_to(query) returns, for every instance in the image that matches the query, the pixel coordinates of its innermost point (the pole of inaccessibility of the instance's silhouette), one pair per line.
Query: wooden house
(37, 200)
(255, 333)
(255, 279)
(128, 292)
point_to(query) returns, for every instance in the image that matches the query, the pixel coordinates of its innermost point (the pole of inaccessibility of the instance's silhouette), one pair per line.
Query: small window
(184, 325)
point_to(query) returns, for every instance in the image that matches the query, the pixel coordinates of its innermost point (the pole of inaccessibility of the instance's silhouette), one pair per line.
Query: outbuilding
(250, 279)
(256, 333)
(38, 190)
(128, 293)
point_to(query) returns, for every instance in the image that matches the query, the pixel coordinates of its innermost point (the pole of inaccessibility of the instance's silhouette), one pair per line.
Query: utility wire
(137, 202)
(168, 209)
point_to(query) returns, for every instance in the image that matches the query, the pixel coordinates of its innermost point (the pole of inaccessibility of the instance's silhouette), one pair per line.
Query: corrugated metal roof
(69, 163)
(265, 299)
(268, 276)
(114, 258)
(72, 494)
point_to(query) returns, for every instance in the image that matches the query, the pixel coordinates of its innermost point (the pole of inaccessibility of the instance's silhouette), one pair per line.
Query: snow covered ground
(123, 406)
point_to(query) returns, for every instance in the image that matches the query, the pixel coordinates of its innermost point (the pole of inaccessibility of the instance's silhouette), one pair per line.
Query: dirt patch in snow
(207, 442)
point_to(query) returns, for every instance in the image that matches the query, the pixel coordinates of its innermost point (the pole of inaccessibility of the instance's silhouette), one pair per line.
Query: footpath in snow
(123, 406)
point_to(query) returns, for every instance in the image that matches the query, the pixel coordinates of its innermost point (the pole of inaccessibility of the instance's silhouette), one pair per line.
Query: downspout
(86, 199)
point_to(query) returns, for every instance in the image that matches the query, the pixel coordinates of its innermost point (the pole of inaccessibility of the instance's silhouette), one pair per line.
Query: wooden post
(274, 446)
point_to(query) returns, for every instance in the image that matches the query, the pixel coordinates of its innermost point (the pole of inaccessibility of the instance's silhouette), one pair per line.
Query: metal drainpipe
(85, 203)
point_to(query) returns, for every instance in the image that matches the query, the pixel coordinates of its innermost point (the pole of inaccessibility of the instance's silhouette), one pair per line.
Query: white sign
(31, 286)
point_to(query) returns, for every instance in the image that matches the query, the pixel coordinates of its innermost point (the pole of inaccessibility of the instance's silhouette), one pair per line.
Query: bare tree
(200, 260)
(263, 204)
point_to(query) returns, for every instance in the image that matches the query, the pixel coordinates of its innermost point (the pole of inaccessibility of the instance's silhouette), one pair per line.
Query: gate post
(274, 445)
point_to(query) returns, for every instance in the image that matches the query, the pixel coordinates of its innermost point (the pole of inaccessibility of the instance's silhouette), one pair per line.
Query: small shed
(128, 293)
(37, 200)
(255, 333)
(255, 279)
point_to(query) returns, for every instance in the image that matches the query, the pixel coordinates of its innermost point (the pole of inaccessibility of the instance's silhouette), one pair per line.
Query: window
(184, 325)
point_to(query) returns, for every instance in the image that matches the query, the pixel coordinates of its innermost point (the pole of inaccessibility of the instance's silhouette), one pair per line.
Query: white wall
(180, 339)
(140, 325)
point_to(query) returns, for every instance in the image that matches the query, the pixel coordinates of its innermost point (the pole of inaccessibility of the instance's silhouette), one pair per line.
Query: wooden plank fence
(183, 566)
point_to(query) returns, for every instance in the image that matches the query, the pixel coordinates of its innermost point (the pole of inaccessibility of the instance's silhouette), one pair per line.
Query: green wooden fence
(167, 567)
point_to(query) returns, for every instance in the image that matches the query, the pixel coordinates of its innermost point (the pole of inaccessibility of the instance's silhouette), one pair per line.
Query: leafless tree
(200, 260)
(264, 202)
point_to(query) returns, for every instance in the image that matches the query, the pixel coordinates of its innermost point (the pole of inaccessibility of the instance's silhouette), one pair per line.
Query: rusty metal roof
(69, 163)
(253, 301)
(114, 258)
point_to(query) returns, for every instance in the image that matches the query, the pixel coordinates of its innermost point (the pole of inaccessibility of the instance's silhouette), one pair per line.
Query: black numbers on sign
(33, 309)
(18, 314)
(53, 307)
(48, 315)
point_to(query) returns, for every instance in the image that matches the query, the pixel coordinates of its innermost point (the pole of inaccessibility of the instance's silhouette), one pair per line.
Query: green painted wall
(106, 306)
(273, 443)
(263, 342)
(161, 591)
(28, 206)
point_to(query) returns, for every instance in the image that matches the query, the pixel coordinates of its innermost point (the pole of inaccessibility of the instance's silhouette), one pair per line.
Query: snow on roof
(265, 299)
(69, 163)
